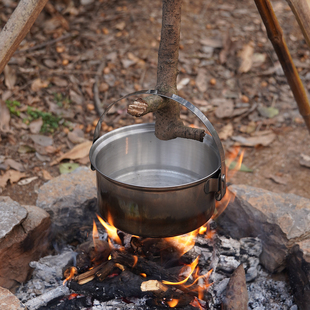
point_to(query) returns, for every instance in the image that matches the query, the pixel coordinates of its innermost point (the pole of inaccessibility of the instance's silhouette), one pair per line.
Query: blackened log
(127, 284)
(141, 265)
(299, 277)
(236, 292)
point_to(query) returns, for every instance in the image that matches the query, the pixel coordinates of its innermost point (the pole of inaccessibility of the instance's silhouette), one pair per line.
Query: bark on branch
(168, 124)
(17, 27)
(275, 35)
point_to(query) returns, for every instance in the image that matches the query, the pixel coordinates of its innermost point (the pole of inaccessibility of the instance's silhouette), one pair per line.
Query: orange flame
(111, 230)
(70, 276)
(173, 302)
(95, 234)
(196, 303)
(222, 205)
(184, 242)
(135, 257)
(192, 267)
(143, 275)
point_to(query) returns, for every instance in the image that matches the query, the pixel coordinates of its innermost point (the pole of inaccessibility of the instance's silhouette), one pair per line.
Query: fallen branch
(275, 35)
(17, 27)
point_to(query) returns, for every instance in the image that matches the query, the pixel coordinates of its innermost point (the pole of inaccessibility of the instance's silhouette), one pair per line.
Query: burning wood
(154, 286)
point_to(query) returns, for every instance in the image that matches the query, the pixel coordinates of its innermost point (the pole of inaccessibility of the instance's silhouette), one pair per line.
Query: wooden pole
(17, 27)
(275, 35)
(301, 10)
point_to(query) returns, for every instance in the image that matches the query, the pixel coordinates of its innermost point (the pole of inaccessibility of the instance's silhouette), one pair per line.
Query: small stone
(213, 82)
(245, 99)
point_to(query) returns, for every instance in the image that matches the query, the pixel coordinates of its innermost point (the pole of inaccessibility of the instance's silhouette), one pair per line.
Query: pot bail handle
(222, 177)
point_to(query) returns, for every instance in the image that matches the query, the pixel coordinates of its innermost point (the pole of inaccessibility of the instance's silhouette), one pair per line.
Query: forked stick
(275, 35)
(17, 27)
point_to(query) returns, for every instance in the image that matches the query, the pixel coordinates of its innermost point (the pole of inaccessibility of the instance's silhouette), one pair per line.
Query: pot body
(154, 188)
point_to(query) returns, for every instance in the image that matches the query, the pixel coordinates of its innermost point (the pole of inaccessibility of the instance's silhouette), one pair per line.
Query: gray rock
(279, 220)
(70, 199)
(11, 214)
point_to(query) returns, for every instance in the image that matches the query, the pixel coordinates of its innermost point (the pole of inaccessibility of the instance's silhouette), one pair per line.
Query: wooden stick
(275, 35)
(301, 10)
(17, 27)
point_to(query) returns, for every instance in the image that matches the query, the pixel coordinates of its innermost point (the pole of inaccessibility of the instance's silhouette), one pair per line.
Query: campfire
(158, 269)
(164, 271)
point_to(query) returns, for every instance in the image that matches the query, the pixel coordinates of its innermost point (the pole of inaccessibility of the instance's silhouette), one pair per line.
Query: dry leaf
(77, 152)
(255, 141)
(226, 132)
(35, 126)
(37, 84)
(59, 81)
(225, 109)
(76, 136)
(12, 175)
(9, 77)
(84, 161)
(46, 175)
(201, 80)
(4, 117)
(26, 181)
(246, 58)
(277, 179)
(42, 140)
(120, 26)
(75, 97)
(14, 164)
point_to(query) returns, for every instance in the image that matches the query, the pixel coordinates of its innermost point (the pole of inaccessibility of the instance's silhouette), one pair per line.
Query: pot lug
(213, 185)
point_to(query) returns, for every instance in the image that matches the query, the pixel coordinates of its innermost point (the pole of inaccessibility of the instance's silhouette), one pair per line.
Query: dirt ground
(228, 68)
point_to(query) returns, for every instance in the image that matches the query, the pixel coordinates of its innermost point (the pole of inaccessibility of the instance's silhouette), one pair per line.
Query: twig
(44, 44)
(97, 102)
(275, 35)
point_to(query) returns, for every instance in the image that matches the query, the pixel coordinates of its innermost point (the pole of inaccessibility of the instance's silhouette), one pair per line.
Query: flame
(95, 234)
(135, 257)
(222, 204)
(173, 302)
(143, 275)
(195, 303)
(192, 267)
(184, 242)
(70, 276)
(111, 230)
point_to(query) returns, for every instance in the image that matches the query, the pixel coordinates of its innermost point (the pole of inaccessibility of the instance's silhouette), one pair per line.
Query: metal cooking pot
(154, 188)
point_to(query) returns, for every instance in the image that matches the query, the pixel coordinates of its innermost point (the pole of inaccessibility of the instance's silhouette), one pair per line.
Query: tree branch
(168, 124)
(17, 27)
(275, 35)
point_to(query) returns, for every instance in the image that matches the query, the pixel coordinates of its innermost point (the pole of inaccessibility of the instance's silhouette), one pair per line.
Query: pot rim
(150, 127)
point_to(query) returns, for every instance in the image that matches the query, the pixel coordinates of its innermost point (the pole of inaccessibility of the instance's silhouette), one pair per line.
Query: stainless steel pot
(154, 188)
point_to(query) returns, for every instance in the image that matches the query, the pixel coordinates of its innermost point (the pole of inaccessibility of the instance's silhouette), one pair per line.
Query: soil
(227, 65)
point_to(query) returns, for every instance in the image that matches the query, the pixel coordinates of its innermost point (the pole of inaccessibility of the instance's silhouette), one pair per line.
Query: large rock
(24, 242)
(11, 214)
(71, 201)
(8, 301)
(279, 220)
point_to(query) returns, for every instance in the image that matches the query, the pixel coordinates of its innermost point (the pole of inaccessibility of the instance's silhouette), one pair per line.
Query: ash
(45, 290)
